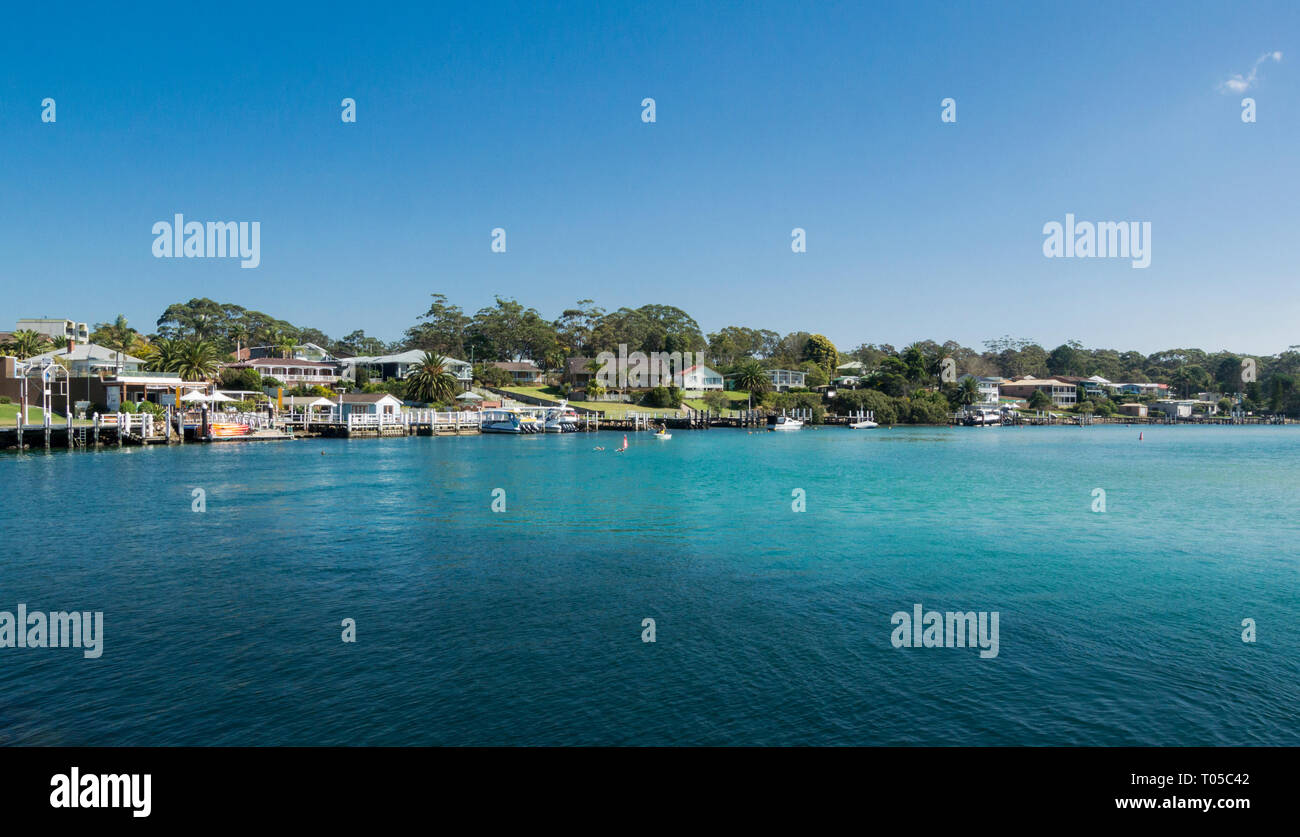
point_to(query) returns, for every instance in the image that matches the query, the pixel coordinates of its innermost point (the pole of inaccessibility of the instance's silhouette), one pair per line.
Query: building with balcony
(59, 331)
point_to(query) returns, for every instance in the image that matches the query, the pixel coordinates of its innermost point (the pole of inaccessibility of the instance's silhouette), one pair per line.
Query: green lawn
(9, 416)
(738, 401)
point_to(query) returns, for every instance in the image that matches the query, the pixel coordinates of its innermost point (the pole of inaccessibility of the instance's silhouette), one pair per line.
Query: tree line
(198, 335)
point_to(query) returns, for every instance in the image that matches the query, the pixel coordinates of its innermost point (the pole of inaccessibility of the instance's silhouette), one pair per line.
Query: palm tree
(970, 391)
(196, 360)
(594, 366)
(119, 336)
(555, 359)
(751, 376)
(26, 343)
(286, 345)
(239, 334)
(430, 380)
(163, 355)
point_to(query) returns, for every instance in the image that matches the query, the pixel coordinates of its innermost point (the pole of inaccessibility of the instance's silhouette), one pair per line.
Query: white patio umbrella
(219, 396)
(195, 395)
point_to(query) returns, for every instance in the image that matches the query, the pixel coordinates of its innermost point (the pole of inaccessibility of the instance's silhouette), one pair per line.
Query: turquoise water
(772, 626)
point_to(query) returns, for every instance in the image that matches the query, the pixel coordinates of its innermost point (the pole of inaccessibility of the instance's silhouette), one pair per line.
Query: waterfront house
(1175, 409)
(577, 373)
(292, 372)
(784, 379)
(522, 373)
(1133, 410)
(699, 378)
(399, 366)
(1062, 393)
(1141, 389)
(1096, 385)
(91, 359)
(370, 404)
(989, 389)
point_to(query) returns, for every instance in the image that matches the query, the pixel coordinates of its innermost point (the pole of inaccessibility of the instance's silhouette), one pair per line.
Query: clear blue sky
(770, 116)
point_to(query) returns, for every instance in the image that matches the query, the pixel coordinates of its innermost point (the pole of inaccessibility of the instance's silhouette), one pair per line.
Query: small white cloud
(1240, 84)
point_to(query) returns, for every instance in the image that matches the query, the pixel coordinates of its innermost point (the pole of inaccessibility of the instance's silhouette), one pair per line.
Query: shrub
(715, 400)
(662, 397)
(885, 407)
(795, 400)
(926, 407)
(246, 379)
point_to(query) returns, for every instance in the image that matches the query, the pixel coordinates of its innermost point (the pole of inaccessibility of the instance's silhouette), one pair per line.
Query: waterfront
(773, 627)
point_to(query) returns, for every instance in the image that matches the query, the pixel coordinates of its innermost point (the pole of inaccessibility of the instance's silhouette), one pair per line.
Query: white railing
(461, 418)
(374, 420)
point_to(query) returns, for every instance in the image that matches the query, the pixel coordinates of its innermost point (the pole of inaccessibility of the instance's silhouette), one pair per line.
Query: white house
(700, 378)
(1175, 409)
(293, 372)
(400, 365)
(1096, 385)
(91, 359)
(381, 404)
(783, 379)
(989, 389)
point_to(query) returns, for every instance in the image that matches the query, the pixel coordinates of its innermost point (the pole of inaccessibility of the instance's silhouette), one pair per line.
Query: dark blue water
(772, 626)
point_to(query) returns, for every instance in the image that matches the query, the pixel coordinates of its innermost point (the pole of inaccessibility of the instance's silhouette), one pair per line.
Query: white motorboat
(503, 421)
(979, 417)
(865, 424)
(562, 419)
(784, 423)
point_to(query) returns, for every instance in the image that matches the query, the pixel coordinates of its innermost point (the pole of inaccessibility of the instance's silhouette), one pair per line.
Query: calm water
(773, 627)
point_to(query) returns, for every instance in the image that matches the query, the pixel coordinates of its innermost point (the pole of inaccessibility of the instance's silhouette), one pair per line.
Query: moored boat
(501, 420)
(783, 423)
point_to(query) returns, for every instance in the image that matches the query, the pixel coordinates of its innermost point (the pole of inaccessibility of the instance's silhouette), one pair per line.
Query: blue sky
(770, 116)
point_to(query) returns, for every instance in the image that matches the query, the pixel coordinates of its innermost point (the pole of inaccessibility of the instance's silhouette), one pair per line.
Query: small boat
(501, 421)
(562, 419)
(865, 424)
(663, 433)
(979, 417)
(784, 423)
